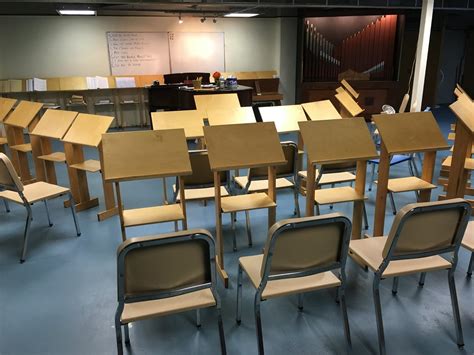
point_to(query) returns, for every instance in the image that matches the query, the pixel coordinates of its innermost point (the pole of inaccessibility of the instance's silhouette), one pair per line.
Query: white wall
(288, 48)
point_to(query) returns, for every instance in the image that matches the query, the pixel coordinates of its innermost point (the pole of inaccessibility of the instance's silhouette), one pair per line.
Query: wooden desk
(242, 146)
(216, 101)
(264, 89)
(350, 89)
(190, 120)
(150, 154)
(321, 110)
(338, 141)
(225, 116)
(87, 130)
(286, 118)
(6, 106)
(349, 108)
(412, 132)
(463, 146)
(24, 116)
(53, 125)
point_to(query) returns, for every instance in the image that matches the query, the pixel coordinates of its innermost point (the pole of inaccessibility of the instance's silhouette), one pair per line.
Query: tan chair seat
(469, 163)
(91, 165)
(154, 214)
(35, 192)
(368, 252)
(246, 202)
(25, 148)
(337, 195)
(252, 266)
(468, 240)
(204, 193)
(262, 185)
(410, 183)
(331, 178)
(57, 157)
(148, 309)
(3, 141)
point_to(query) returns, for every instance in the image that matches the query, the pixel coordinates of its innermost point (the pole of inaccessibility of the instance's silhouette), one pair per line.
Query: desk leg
(37, 150)
(457, 174)
(382, 189)
(427, 174)
(272, 195)
(219, 242)
(110, 205)
(182, 201)
(300, 151)
(358, 212)
(12, 140)
(310, 177)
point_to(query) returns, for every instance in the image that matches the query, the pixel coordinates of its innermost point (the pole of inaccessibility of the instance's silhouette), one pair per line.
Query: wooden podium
(24, 117)
(6, 106)
(215, 101)
(149, 155)
(241, 146)
(321, 110)
(87, 130)
(53, 125)
(286, 118)
(462, 163)
(338, 141)
(230, 115)
(189, 120)
(405, 133)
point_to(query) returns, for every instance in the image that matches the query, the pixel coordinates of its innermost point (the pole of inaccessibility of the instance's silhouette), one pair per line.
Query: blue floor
(62, 300)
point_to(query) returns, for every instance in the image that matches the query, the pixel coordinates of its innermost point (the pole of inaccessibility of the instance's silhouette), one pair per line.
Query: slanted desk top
(286, 118)
(464, 110)
(349, 103)
(337, 141)
(235, 115)
(205, 102)
(6, 106)
(349, 88)
(190, 120)
(54, 123)
(410, 132)
(145, 154)
(321, 110)
(24, 114)
(88, 129)
(243, 146)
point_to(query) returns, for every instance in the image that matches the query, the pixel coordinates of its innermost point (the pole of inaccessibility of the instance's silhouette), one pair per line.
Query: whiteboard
(197, 52)
(138, 53)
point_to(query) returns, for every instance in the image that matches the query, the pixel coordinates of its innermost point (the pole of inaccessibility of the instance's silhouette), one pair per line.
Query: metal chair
(14, 191)
(166, 274)
(286, 176)
(468, 243)
(420, 234)
(300, 255)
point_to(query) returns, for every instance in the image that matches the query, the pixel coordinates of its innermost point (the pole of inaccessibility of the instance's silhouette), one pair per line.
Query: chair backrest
(165, 265)
(338, 167)
(290, 150)
(305, 246)
(202, 175)
(9, 179)
(427, 228)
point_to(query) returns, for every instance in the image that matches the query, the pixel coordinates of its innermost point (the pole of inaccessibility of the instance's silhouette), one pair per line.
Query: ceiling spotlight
(180, 20)
(203, 20)
(215, 20)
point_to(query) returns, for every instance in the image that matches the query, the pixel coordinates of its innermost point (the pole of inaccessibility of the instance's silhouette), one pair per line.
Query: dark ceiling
(266, 8)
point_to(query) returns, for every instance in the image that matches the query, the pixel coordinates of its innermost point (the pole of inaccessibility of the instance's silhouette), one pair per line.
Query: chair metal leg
(318, 212)
(118, 334)
(378, 314)
(392, 202)
(343, 306)
(25, 234)
(198, 318)
(238, 313)
(234, 237)
(395, 286)
(331, 206)
(47, 213)
(300, 301)
(421, 282)
(454, 303)
(221, 330)
(74, 215)
(469, 268)
(7, 207)
(126, 332)
(297, 211)
(366, 220)
(372, 177)
(258, 324)
(249, 230)
(176, 226)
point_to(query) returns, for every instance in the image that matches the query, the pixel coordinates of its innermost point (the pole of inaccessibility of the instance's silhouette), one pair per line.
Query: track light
(203, 19)
(214, 20)
(180, 20)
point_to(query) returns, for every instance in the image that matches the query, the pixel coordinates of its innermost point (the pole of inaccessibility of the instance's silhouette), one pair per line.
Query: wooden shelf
(411, 183)
(468, 165)
(129, 103)
(337, 195)
(3, 140)
(92, 166)
(104, 104)
(246, 202)
(57, 157)
(150, 215)
(331, 178)
(25, 148)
